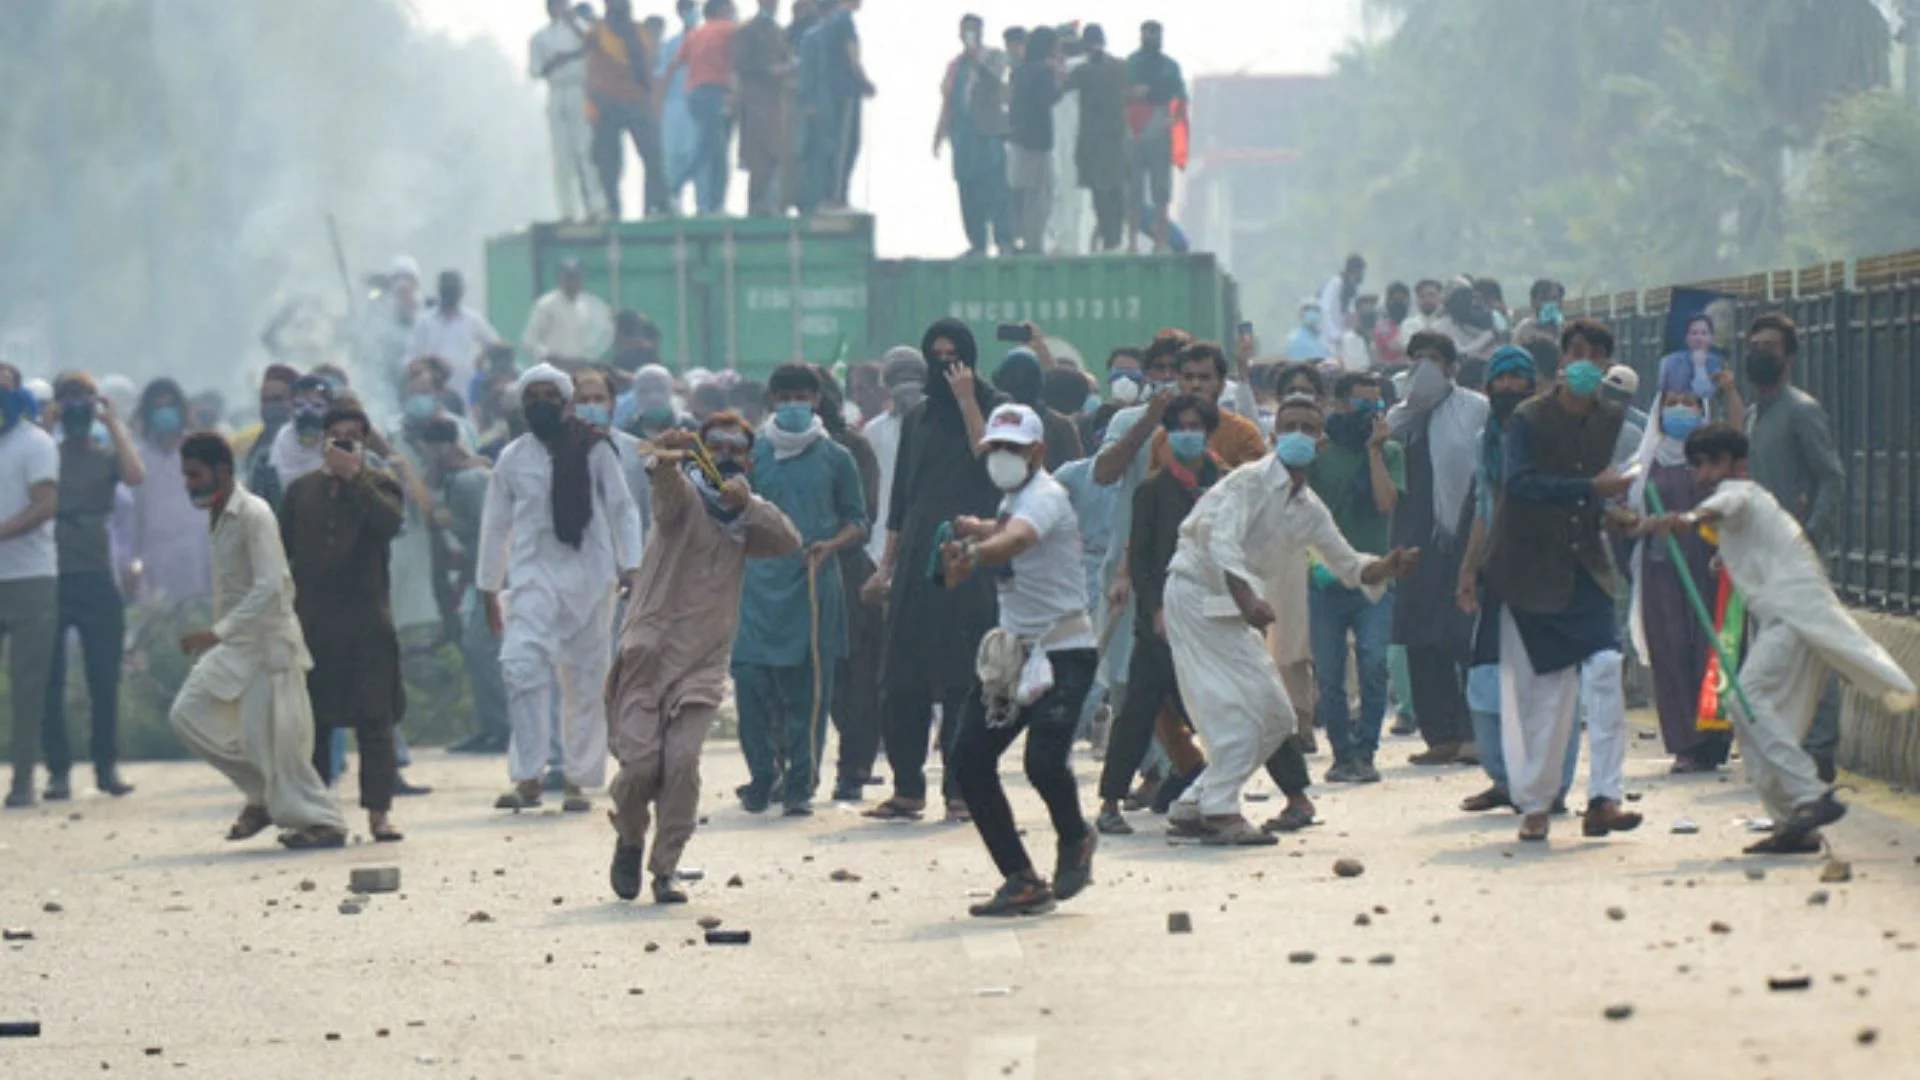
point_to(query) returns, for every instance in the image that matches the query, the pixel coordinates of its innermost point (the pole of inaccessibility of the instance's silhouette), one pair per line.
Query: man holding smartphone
(338, 525)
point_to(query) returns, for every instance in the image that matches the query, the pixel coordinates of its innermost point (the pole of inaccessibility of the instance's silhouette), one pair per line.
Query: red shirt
(708, 52)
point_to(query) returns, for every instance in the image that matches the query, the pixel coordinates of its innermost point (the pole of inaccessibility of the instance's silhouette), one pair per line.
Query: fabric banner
(1730, 625)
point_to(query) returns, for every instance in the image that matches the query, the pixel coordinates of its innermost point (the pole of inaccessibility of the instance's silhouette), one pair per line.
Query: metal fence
(1858, 353)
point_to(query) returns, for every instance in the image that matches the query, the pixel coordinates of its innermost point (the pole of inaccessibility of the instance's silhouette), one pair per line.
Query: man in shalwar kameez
(677, 643)
(1252, 526)
(560, 530)
(1802, 634)
(244, 706)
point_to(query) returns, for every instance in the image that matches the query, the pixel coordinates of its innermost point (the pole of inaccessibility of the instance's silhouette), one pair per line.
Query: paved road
(1503, 957)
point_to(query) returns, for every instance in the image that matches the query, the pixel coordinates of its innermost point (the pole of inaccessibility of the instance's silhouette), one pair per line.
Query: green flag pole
(1700, 605)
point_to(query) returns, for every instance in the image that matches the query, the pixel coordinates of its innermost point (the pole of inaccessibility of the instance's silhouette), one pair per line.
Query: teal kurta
(819, 491)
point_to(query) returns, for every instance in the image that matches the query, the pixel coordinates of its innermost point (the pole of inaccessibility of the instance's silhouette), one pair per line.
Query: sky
(907, 44)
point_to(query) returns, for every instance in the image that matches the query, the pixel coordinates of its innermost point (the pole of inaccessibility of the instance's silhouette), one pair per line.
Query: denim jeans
(709, 169)
(90, 603)
(1483, 699)
(1335, 612)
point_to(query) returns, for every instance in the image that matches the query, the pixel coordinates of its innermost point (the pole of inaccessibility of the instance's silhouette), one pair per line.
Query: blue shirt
(819, 491)
(1093, 505)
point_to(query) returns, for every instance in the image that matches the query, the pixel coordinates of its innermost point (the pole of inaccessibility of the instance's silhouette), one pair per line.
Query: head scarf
(939, 393)
(1512, 359)
(1019, 378)
(572, 450)
(903, 364)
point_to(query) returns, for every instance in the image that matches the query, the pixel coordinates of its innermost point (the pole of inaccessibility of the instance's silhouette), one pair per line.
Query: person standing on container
(933, 631)
(621, 87)
(1155, 84)
(973, 116)
(679, 134)
(763, 65)
(1100, 146)
(1036, 90)
(557, 54)
(833, 81)
(707, 55)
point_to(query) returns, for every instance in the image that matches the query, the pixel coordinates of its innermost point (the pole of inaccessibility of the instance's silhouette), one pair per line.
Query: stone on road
(1497, 954)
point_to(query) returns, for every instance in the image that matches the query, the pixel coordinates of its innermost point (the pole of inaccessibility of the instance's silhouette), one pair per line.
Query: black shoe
(752, 799)
(482, 743)
(109, 782)
(1074, 870)
(1364, 772)
(1022, 894)
(1404, 725)
(1172, 788)
(406, 788)
(59, 788)
(20, 798)
(849, 791)
(798, 808)
(1344, 772)
(625, 873)
(1809, 818)
(1826, 769)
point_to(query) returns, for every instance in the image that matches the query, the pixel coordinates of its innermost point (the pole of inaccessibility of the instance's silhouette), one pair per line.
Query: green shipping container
(741, 293)
(1094, 303)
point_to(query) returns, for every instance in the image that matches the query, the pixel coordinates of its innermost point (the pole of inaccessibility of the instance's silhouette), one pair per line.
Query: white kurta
(458, 339)
(563, 328)
(559, 614)
(575, 182)
(244, 706)
(1257, 525)
(883, 434)
(1803, 632)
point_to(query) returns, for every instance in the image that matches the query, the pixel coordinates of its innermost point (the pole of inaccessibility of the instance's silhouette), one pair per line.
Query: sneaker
(1344, 772)
(1022, 894)
(1364, 772)
(798, 808)
(1073, 871)
(625, 872)
(1112, 823)
(59, 788)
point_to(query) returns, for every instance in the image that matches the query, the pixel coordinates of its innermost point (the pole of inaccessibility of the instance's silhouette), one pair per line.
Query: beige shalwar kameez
(675, 648)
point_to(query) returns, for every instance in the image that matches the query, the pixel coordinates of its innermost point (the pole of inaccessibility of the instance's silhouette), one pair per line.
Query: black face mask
(77, 418)
(1351, 430)
(275, 413)
(308, 421)
(1369, 320)
(544, 419)
(1765, 367)
(1505, 401)
(1397, 310)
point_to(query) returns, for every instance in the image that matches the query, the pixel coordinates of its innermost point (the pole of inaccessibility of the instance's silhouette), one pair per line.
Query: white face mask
(1125, 391)
(1007, 470)
(1427, 386)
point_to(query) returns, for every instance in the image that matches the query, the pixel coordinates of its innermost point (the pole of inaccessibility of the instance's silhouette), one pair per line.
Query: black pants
(1288, 767)
(1110, 220)
(1049, 724)
(856, 692)
(1150, 681)
(907, 716)
(634, 119)
(379, 764)
(89, 603)
(1439, 695)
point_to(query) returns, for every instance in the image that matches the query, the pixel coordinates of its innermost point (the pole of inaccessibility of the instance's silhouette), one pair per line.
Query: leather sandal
(1533, 827)
(252, 821)
(897, 809)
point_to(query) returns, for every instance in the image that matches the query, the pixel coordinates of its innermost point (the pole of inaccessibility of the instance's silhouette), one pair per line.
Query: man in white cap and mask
(561, 529)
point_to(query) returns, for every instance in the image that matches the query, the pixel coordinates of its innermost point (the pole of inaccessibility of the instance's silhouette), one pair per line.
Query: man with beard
(675, 645)
(1426, 298)
(903, 373)
(1794, 459)
(337, 526)
(933, 632)
(1439, 424)
(560, 527)
(454, 332)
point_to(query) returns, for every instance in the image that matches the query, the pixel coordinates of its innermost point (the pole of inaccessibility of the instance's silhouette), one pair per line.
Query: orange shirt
(1237, 440)
(708, 50)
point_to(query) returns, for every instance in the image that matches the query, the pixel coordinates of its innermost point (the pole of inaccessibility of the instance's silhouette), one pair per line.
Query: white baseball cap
(1622, 378)
(1015, 425)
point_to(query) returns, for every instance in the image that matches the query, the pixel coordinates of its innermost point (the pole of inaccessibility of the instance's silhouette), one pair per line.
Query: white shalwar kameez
(244, 706)
(559, 613)
(575, 181)
(1802, 632)
(1255, 524)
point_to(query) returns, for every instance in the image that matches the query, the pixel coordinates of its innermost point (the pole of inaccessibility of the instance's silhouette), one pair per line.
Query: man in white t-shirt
(29, 571)
(569, 326)
(558, 54)
(454, 332)
(904, 374)
(1035, 668)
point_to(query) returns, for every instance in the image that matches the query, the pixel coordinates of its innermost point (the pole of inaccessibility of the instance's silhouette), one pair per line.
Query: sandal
(384, 832)
(1491, 799)
(1236, 832)
(897, 809)
(1783, 843)
(313, 838)
(958, 813)
(1023, 894)
(1292, 819)
(1533, 828)
(576, 801)
(1187, 824)
(252, 821)
(524, 796)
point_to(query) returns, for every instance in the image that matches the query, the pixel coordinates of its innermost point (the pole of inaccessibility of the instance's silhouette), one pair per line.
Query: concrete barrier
(1874, 742)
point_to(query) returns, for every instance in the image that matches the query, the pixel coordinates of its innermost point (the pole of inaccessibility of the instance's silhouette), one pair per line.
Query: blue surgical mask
(421, 406)
(164, 421)
(1187, 445)
(1680, 421)
(793, 417)
(1310, 320)
(658, 418)
(1091, 405)
(1364, 406)
(1583, 378)
(1549, 314)
(1296, 449)
(596, 414)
